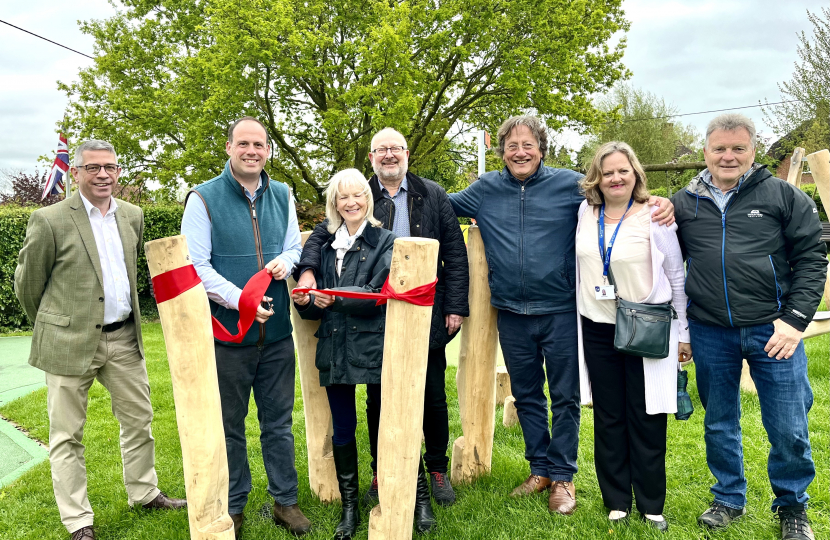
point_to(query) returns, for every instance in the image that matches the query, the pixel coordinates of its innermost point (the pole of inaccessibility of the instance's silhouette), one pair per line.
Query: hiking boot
(84, 533)
(794, 523)
(719, 516)
(292, 518)
(371, 498)
(442, 490)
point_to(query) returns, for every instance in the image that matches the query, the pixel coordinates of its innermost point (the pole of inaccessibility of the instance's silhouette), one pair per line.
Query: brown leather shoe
(163, 502)
(533, 484)
(562, 497)
(292, 518)
(237, 523)
(82, 533)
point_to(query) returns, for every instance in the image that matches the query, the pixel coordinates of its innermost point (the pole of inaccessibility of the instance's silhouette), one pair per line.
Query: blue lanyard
(605, 255)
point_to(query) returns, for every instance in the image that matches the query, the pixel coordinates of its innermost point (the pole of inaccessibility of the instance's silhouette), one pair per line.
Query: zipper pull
(723, 220)
(253, 212)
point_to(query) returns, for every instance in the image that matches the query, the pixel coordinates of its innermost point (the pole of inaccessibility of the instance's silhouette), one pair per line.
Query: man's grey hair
(386, 131)
(534, 124)
(731, 122)
(91, 145)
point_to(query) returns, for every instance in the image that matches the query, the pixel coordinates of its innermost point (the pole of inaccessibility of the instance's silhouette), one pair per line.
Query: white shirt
(117, 300)
(196, 227)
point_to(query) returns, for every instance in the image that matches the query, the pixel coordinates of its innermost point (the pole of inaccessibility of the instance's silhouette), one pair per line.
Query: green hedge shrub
(13, 220)
(159, 221)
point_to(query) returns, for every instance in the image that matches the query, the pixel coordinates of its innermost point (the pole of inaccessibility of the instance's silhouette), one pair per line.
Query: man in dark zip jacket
(756, 269)
(527, 214)
(237, 224)
(409, 205)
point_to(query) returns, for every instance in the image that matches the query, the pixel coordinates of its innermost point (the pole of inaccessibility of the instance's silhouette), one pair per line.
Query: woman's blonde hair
(590, 183)
(335, 187)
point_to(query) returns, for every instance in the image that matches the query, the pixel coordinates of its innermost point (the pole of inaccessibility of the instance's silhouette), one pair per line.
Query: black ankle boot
(345, 463)
(424, 518)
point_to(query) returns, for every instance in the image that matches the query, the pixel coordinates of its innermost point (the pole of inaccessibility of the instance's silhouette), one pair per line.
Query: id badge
(605, 292)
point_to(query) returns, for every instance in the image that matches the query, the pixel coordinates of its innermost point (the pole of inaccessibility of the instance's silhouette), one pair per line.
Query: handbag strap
(612, 282)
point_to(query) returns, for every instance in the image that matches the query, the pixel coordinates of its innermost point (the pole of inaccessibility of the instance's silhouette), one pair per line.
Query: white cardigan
(667, 284)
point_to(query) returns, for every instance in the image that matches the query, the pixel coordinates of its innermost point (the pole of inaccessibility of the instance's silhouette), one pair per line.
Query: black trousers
(344, 411)
(629, 445)
(436, 420)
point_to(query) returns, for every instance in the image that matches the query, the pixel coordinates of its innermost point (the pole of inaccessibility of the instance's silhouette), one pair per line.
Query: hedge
(159, 222)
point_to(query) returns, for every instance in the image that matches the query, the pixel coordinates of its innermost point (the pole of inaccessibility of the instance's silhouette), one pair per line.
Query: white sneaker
(617, 515)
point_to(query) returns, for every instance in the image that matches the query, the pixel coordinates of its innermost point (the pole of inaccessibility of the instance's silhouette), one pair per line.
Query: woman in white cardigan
(631, 396)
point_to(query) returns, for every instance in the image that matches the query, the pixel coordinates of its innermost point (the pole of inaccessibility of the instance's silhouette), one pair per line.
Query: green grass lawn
(483, 510)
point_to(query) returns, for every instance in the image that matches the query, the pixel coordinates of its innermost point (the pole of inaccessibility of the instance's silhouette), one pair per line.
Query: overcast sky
(697, 54)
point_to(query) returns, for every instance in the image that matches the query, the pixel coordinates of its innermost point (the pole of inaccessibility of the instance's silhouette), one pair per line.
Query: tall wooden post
(405, 350)
(472, 453)
(796, 167)
(188, 336)
(820, 167)
(318, 430)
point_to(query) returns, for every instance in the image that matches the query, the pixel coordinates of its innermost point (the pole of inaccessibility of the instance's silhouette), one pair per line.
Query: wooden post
(476, 376)
(796, 167)
(502, 384)
(188, 336)
(318, 429)
(820, 167)
(511, 415)
(403, 378)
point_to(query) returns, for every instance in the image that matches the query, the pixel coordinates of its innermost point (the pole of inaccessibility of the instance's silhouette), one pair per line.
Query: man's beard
(386, 174)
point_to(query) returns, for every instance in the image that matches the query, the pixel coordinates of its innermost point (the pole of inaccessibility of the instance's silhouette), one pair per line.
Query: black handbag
(641, 329)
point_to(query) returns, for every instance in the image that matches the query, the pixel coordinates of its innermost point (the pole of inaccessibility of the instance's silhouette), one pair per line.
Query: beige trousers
(118, 366)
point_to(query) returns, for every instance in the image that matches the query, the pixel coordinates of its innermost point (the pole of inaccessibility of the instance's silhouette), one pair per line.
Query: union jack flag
(54, 184)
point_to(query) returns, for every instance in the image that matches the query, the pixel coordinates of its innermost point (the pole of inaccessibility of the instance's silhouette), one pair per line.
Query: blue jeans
(785, 397)
(534, 345)
(269, 372)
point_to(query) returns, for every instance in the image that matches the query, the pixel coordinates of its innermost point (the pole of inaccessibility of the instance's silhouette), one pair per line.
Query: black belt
(112, 327)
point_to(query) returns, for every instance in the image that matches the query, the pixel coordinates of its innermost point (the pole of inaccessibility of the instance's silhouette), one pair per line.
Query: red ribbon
(419, 296)
(171, 284)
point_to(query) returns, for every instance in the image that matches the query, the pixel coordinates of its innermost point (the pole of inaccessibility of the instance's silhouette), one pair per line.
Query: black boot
(345, 463)
(424, 518)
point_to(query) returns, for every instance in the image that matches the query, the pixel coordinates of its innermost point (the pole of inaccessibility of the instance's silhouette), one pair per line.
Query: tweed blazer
(59, 283)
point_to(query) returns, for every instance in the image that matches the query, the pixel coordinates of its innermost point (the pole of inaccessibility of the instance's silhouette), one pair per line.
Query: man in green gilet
(237, 224)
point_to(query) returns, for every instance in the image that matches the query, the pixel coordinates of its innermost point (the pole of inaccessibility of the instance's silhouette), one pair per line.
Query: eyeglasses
(93, 168)
(396, 150)
(526, 147)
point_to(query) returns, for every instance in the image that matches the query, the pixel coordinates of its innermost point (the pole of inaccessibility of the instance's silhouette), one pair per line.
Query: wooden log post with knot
(472, 453)
(318, 427)
(188, 336)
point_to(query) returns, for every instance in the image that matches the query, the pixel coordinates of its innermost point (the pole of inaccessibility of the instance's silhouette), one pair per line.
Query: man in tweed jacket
(76, 281)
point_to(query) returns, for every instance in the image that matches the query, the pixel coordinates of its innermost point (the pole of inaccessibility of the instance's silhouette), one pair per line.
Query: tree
(323, 75)
(643, 120)
(27, 189)
(808, 91)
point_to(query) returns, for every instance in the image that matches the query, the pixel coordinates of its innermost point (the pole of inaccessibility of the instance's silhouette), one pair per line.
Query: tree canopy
(807, 113)
(323, 75)
(643, 120)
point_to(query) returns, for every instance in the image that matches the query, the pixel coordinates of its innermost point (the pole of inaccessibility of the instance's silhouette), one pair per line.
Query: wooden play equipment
(405, 351)
(502, 384)
(188, 336)
(819, 163)
(318, 429)
(475, 379)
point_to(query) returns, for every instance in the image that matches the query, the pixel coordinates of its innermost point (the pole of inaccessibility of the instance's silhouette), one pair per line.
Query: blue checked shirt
(722, 198)
(401, 224)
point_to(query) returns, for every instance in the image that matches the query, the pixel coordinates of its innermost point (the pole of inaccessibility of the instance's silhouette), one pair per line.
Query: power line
(47, 39)
(703, 112)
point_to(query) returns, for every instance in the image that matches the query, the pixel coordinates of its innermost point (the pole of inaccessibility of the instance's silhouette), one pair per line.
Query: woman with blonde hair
(356, 257)
(631, 395)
